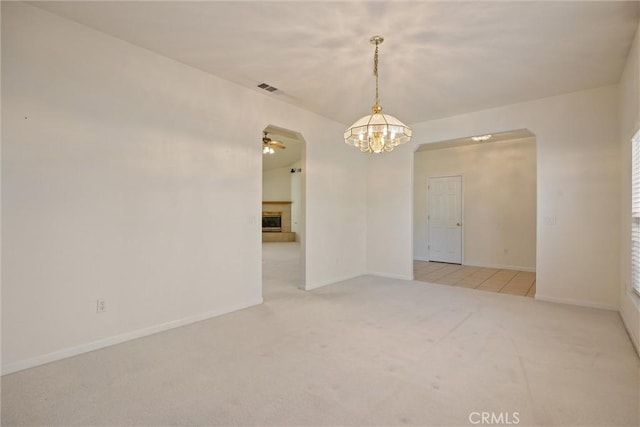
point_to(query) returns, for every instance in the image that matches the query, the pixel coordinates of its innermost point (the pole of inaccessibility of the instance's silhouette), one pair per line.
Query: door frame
(462, 221)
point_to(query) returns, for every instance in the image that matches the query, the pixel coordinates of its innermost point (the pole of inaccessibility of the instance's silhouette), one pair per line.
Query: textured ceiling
(438, 59)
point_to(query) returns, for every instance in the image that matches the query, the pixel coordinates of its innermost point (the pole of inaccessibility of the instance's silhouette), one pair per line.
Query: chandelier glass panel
(377, 133)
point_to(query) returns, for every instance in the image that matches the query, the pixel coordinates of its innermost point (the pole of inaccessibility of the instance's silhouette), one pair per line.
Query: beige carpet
(368, 351)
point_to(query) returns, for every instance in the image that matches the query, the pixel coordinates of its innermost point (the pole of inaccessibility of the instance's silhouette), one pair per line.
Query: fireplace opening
(272, 222)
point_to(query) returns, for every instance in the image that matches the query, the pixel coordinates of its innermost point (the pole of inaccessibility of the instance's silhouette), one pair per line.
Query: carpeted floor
(368, 351)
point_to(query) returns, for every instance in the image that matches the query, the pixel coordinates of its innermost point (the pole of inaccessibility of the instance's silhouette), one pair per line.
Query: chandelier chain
(375, 71)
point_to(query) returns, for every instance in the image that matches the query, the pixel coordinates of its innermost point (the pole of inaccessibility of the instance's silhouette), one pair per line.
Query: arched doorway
(283, 211)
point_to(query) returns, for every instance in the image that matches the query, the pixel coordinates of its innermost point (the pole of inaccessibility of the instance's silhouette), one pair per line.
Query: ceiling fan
(268, 145)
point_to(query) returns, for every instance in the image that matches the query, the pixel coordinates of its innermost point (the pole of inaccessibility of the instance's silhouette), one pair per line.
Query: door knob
(458, 224)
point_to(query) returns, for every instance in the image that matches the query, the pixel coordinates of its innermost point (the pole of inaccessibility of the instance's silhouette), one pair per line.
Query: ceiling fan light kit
(377, 133)
(268, 145)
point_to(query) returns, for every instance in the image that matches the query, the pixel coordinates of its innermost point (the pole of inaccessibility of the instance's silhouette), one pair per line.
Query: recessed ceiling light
(481, 138)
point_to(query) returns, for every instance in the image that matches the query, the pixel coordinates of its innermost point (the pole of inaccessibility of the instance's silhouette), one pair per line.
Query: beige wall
(134, 178)
(296, 198)
(578, 185)
(499, 201)
(276, 184)
(629, 93)
(280, 184)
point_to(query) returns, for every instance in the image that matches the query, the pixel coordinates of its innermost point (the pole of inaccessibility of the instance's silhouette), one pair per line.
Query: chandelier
(377, 132)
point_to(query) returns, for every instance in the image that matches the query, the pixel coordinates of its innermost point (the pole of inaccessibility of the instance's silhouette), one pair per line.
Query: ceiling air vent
(267, 87)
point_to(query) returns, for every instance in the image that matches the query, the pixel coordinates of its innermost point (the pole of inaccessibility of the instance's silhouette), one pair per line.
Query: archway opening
(475, 212)
(283, 212)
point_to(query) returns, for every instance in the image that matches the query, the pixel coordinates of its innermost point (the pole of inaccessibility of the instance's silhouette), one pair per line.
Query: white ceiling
(438, 59)
(496, 137)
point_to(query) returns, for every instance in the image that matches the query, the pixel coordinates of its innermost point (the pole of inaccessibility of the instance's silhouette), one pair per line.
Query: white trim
(581, 303)
(391, 275)
(633, 297)
(498, 266)
(632, 338)
(504, 267)
(117, 339)
(332, 281)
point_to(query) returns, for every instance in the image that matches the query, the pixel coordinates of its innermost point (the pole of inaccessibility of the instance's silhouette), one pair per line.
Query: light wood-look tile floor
(511, 282)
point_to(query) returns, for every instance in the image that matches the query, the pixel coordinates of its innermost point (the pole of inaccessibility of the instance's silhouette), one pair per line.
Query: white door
(445, 219)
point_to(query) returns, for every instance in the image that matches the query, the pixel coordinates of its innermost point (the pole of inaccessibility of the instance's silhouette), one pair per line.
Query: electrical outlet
(101, 306)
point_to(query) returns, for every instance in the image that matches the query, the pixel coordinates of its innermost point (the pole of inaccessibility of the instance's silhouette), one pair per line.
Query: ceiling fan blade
(268, 142)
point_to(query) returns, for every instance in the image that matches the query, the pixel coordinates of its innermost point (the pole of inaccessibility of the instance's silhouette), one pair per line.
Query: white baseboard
(117, 339)
(391, 275)
(632, 337)
(317, 285)
(577, 302)
(498, 266)
(341, 279)
(626, 317)
(502, 267)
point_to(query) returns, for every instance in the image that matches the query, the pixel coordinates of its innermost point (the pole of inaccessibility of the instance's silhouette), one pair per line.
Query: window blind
(635, 212)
